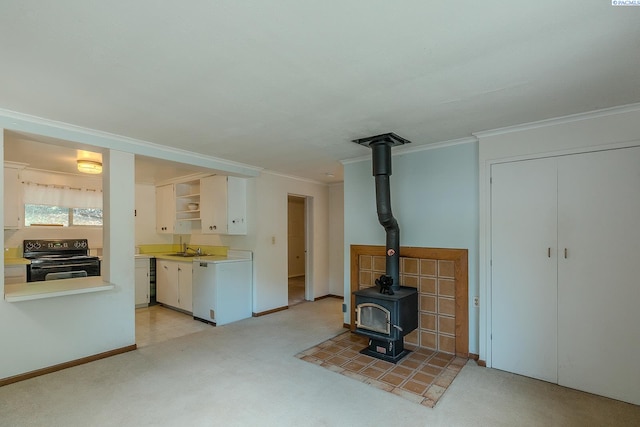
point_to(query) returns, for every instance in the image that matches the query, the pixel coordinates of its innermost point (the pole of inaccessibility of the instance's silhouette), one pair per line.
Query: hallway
(296, 290)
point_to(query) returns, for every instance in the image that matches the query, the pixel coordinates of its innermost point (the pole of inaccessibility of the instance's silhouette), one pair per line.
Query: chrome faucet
(196, 251)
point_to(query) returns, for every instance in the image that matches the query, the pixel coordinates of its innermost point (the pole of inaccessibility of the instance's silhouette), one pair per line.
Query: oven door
(42, 272)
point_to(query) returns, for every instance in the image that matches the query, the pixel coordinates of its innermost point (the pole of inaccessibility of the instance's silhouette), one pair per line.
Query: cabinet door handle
(548, 252)
(565, 253)
(165, 267)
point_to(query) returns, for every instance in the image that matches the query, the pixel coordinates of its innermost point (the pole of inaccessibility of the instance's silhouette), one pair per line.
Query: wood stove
(385, 320)
(388, 313)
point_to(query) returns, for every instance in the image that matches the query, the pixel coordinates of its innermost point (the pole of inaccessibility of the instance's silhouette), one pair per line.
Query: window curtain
(68, 197)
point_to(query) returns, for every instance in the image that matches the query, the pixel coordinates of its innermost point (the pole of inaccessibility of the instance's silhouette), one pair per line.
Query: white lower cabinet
(173, 281)
(564, 270)
(222, 291)
(143, 286)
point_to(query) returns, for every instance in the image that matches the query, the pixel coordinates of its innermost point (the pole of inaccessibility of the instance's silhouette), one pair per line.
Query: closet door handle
(548, 252)
(565, 253)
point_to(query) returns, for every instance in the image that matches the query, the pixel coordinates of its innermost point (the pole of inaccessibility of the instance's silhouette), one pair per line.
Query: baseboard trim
(476, 357)
(275, 310)
(328, 296)
(346, 326)
(65, 365)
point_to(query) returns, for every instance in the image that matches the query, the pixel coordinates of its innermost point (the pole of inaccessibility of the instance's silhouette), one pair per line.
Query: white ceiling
(285, 85)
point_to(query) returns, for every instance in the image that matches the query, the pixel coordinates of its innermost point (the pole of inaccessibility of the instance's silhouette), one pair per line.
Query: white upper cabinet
(223, 207)
(13, 208)
(173, 213)
(165, 213)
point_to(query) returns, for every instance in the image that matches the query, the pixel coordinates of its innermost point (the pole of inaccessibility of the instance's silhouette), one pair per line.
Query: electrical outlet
(476, 301)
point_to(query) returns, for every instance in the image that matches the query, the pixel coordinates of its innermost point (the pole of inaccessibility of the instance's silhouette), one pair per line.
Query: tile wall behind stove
(436, 286)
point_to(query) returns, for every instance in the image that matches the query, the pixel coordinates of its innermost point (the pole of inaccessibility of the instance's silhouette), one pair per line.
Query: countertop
(54, 288)
(202, 258)
(16, 261)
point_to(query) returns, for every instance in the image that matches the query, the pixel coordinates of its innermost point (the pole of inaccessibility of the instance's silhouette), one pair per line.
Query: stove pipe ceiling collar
(381, 161)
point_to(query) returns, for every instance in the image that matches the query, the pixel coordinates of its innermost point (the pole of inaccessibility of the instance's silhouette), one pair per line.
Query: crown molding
(20, 122)
(297, 178)
(407, 149)
(559, 120)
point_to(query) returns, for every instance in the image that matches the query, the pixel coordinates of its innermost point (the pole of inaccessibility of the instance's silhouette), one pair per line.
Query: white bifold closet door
(524, 268)
(573, 319)
(599, 279)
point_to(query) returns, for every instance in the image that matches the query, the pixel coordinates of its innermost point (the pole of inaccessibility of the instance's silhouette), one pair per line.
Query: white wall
(611, 128)
(267, 200)
(270, 261)
(271, 289)
(46, 332)
(434, 197)
(41, 333)
(336, 239)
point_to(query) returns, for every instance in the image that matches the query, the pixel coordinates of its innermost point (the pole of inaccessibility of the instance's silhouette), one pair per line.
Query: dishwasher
(222, 288)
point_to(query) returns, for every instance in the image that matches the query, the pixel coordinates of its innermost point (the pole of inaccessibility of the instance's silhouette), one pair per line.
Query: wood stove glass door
(373, 317)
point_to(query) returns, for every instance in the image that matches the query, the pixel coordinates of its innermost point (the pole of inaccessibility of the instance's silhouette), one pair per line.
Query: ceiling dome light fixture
(89, 166)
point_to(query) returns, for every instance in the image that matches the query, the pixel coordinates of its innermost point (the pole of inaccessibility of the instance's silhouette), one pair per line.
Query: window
(61, 216)
(86, 216)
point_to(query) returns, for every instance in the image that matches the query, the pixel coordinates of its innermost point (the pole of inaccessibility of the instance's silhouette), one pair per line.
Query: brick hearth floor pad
(422, 377)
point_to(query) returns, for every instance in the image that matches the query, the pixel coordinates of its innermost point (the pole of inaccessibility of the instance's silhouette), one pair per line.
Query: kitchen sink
(187, 254)
(182, 254)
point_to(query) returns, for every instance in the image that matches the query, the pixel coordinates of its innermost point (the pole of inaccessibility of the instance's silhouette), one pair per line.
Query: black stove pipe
(382, 171)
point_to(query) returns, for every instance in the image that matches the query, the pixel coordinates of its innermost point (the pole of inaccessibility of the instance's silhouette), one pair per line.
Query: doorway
(296, 249)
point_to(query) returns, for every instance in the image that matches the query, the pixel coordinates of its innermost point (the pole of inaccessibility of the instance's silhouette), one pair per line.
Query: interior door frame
(308, 244)
(308, 250)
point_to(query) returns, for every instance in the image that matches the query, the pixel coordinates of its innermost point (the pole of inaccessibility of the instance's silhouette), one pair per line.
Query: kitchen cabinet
(564, 269)
(187, 202)
(165, 215)
(223, 205)
(15, 274)
(13, 207)
(142, 281)
(222, 289)
(173, 284)
(177, 207)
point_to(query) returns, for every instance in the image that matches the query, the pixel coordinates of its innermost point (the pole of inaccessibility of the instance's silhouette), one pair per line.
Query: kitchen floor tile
(156, 324)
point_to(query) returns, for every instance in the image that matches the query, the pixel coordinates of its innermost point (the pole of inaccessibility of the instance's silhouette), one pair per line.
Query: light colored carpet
(246, 374)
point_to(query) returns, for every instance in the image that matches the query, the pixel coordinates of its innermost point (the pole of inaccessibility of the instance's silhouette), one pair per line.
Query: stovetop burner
(59, 259)
(57, 251)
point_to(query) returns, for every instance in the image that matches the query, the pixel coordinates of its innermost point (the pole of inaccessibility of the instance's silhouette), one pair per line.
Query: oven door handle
(63, 265)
